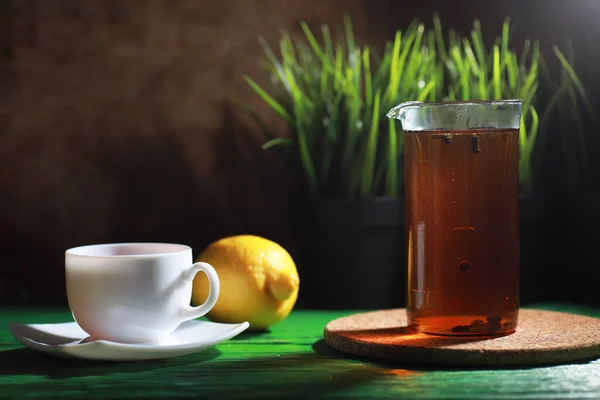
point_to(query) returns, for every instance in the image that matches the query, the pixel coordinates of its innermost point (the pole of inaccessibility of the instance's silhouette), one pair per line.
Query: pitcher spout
(398, 111)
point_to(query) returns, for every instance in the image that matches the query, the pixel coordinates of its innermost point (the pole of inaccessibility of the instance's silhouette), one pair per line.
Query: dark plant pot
(350, 253)
(540, 248)
(580, 270)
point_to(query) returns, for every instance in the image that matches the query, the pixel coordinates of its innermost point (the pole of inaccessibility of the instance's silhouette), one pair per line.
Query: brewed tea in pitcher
(462, 187)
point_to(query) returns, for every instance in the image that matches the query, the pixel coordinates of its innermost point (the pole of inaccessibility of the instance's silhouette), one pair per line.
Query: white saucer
(69, 340)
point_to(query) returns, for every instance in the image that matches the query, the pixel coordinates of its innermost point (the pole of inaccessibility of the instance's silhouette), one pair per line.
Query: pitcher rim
(459, 102)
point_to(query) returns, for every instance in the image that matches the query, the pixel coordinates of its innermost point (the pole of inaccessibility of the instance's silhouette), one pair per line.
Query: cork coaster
(542, 338)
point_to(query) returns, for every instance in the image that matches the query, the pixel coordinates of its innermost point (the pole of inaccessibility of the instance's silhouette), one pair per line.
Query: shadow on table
(24, 361)
(292, 375)
(239, 373)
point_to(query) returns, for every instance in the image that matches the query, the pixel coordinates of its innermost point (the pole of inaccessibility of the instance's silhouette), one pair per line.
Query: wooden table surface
(290, 361)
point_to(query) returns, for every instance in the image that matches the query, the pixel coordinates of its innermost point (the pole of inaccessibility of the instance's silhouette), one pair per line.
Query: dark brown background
(117, 120)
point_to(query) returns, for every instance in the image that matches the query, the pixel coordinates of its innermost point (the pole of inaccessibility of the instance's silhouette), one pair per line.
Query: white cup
(134, 292)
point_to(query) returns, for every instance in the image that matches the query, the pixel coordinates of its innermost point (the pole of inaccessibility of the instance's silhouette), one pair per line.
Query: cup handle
(190, 312)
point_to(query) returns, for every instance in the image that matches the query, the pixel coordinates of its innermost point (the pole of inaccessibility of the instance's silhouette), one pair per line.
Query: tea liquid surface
(462, 231)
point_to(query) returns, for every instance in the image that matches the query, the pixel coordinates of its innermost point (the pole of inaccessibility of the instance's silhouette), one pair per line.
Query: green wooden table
(290, 361)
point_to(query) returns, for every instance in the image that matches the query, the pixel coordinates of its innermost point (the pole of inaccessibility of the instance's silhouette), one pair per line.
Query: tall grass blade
(525, 53)
(439, 36)
(505, 37)
(368, 78)
(276, 142)
(427, 90)
(477, 39)
(303, 147)
(394, 70)
(573, 77)
(311, 39)
(471, 57)
(391, 187)
(366, 183)
(497, 83)
(349, 38)
(278, 108)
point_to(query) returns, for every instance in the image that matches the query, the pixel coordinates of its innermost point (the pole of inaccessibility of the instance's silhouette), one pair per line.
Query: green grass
(569, 113)
(496, 73)
(334, 96)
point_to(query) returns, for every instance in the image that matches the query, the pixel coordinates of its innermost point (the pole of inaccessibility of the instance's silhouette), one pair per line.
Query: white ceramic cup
(134, 292)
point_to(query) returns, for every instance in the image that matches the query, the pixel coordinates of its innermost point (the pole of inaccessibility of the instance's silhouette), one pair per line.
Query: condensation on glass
(462, 233)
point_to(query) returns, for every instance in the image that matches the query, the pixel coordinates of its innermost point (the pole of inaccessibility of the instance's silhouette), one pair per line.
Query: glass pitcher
(462, 224)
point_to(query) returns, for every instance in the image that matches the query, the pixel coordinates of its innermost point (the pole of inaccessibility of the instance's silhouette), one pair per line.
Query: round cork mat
(542, 338)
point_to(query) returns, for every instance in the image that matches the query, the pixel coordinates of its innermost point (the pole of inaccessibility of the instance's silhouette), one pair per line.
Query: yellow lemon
(259, 281)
